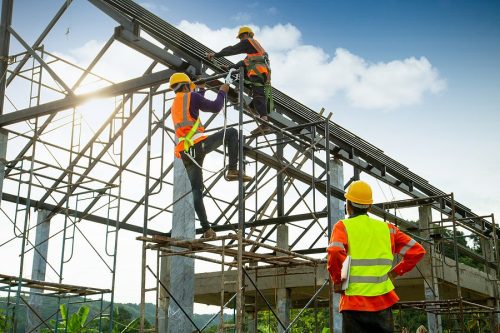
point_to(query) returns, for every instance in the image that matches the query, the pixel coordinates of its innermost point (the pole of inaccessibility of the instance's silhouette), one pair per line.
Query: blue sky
(447, 131)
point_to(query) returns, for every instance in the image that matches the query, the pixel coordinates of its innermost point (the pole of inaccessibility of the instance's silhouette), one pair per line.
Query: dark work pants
(195, 174)
(367, 322)
(259, 100)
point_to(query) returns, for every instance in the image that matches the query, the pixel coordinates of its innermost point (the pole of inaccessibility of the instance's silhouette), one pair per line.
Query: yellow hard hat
(245, 30)
(179, 78)
(359, 192)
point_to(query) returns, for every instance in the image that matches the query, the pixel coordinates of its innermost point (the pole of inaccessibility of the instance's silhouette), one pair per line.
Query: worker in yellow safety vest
(368, 246)
(257, 71)
(194, 143)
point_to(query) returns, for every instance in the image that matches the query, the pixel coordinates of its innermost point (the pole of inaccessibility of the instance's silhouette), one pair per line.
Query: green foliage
(311, 320)
(75, 323)
(478, 323)
(5, 321)
(123, 322)
(410, 319)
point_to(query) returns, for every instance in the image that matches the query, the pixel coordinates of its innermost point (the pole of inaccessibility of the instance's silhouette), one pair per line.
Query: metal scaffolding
(67, 166)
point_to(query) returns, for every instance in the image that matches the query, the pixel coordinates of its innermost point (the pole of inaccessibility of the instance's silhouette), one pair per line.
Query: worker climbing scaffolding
(257, 72)
(194, 143)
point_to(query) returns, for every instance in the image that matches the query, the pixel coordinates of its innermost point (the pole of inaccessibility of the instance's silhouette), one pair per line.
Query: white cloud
(299, 69)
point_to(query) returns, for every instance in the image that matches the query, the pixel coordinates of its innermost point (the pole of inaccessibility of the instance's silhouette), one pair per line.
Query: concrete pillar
(488, 253)
(38, 270)
(284, 300)
(181, 283)
(434, 324)
(164, 299)
(337, 212)
(250, 314)
(3, 158)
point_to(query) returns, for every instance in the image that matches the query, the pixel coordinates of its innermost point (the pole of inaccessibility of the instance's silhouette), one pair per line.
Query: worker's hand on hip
(337, 288)
(210, 55)
(392, 275)
(224, 88)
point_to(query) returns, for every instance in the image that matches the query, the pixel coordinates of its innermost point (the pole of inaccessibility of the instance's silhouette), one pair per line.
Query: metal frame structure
(438, 236)
(87, 177)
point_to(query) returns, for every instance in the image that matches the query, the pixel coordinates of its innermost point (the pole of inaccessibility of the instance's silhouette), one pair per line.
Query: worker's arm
(243, 46)
(411, 251)
(199, 102)
(337, 251)
(236, 65)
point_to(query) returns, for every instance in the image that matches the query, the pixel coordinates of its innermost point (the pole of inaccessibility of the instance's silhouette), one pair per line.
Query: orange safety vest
(256, 63)
(183, 121)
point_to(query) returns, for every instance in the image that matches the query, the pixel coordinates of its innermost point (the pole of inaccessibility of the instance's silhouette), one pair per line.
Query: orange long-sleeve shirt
(401, 243)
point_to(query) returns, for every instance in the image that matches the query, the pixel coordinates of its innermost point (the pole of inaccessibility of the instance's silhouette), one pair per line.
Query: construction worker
(257, 70)
(194, 144)
(371, 244)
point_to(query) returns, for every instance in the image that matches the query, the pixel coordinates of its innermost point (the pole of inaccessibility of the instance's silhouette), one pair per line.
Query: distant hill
(51, 305)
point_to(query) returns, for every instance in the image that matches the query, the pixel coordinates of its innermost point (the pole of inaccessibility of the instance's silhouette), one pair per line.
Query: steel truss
(438, 237)
(66, 179)
(224, 246)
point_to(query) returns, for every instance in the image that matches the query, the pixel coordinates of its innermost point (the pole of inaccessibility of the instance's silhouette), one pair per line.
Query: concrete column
(3, 158)
(337, 212)
(283, 302)
(250, 314)
(181, 283)
(164, 299)
(38, 270)
(488, 253)
(434, 324)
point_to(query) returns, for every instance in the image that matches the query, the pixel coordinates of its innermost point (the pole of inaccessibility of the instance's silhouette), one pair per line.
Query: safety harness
(257, 64)
(188, 139)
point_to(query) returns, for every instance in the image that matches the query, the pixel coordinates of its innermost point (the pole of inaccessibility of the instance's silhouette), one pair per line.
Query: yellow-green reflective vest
(369, 245)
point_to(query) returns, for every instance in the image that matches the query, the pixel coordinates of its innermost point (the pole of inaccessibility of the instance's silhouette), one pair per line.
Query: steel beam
(40, 39)
(81, 215)
(121, 88)
(5, 22)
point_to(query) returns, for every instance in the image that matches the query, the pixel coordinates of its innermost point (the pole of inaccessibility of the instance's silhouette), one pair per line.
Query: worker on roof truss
(257, 72)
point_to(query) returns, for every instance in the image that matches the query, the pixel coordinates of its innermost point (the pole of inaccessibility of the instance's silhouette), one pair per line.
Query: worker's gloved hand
(210, 55)
(224, 88)
(337, 288)
(392, 275)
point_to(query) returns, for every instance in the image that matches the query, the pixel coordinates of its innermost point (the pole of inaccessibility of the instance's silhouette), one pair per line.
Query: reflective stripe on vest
(184, 122)
(369, 245)
(185, 111)
(337, 244)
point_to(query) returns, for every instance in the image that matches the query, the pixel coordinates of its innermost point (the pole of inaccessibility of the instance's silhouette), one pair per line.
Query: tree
(5, 321)
(76, 323)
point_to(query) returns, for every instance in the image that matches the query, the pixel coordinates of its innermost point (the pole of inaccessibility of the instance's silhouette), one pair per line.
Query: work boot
(210, 233)
(262, 129)
(232, 175)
